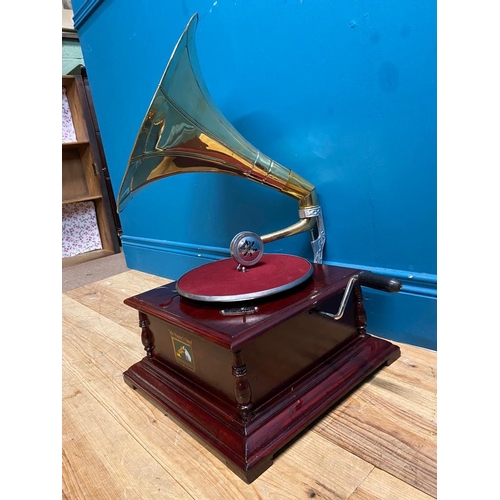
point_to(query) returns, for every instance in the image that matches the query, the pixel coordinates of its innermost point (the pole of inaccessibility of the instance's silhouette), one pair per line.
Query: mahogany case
(246, 384)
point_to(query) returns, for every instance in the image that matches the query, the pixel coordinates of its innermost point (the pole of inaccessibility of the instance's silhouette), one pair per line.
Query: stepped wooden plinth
(246, 383)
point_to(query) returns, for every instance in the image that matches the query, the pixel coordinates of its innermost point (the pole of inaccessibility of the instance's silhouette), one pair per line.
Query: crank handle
(379, 282)
(364, 278)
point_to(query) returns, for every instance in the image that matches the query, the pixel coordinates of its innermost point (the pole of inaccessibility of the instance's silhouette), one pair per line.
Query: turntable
(245, 352)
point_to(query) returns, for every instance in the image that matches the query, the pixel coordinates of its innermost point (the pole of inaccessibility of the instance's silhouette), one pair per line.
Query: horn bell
(183, 131)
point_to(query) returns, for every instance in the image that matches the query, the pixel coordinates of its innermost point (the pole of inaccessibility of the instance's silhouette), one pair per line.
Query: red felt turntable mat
(220, 281)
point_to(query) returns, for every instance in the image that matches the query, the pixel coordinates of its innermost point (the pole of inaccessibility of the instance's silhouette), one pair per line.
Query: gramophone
(244, 352)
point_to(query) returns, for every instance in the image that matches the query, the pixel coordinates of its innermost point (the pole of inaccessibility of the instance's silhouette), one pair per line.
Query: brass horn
(183, 131)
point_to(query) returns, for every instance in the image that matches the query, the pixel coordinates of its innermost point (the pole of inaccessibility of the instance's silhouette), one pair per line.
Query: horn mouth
(184, 131)
(129, 186)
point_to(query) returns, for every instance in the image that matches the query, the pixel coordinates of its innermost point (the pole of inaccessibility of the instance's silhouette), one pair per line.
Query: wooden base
(245, 386)
(247, 447)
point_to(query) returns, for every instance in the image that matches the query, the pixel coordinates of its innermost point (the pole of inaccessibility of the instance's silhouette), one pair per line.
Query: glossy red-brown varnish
(254, 381)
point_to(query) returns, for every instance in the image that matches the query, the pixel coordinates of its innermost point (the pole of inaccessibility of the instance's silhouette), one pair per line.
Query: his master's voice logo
(183, 353)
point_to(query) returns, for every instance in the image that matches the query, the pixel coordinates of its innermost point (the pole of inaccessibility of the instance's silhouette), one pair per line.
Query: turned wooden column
(146, 335)
(242, 389)
(359, 310)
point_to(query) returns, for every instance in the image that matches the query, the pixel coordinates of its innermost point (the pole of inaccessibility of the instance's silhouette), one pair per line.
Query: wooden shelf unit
(82, 175)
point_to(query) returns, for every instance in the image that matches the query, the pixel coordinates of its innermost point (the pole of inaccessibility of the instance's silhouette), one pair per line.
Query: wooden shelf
(85, 257)
(71, 145)
(80, 199)
(82, 174)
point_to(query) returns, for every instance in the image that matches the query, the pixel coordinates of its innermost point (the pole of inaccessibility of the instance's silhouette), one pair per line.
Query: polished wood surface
(206, 320)
(282, 366)
(379, 442)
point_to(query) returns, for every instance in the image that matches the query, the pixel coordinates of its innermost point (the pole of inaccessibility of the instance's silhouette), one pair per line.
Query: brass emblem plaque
(183, 352)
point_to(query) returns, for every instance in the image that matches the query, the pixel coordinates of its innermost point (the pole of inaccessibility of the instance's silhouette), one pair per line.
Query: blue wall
(343, 93)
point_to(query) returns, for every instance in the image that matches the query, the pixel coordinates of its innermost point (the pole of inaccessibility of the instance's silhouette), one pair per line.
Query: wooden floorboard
(378, 443)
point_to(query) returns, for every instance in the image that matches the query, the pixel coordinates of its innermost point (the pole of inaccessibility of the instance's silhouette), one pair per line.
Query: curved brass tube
(299, 227)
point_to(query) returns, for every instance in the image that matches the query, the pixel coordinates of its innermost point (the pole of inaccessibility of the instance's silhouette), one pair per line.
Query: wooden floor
(379, 443)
